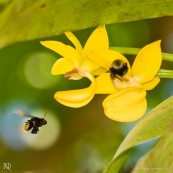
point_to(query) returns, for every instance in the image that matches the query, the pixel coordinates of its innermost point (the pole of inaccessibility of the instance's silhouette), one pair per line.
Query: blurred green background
(79, 140)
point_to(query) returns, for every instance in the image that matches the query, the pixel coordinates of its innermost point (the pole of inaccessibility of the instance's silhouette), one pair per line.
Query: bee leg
(34, 130)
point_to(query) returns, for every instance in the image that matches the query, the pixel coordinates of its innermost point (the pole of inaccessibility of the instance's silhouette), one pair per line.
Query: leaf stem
(164, 73)
(134, 51)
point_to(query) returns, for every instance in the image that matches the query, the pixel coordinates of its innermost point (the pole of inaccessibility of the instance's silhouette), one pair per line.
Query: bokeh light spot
(37, 70)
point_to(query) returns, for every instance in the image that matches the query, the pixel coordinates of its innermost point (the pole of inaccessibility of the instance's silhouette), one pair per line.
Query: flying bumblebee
(33, 124)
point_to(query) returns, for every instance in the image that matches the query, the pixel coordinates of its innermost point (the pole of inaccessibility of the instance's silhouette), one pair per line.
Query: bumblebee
(33, 124)
(118, 69)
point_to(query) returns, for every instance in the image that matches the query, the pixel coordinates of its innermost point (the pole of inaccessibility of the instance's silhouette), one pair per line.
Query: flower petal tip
(119, 107)
(76, 98)
(101, 26)
(132, 113)
(43, 43)
(72, 98)
(159, 41)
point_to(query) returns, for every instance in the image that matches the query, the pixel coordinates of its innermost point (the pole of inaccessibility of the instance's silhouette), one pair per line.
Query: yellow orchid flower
(127, 86)
(75, 64)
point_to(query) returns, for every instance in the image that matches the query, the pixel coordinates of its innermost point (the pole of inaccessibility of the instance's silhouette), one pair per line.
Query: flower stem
(134, 51)
(164, 73)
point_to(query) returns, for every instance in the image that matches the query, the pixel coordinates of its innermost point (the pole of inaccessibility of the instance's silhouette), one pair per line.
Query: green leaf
(160, 158)
(151, 126)
(29, 19)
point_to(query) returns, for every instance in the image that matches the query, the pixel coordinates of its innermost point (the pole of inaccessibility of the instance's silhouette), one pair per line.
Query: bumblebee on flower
(126, 85)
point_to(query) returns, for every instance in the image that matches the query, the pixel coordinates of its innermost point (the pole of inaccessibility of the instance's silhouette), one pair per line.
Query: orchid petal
(147, 62)
(126, 105)
(65, 51)
(105, 58)
(62, 66)
(89, 66)
(104, 84)
(77, 98)
(74, 40)
(152, 84)
(98, 40)
(99, 71)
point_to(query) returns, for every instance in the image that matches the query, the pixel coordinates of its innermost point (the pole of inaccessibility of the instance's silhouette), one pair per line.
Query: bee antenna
(45, 114)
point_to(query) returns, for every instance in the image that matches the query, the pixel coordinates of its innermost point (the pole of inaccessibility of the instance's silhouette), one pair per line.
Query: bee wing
(23, 114)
